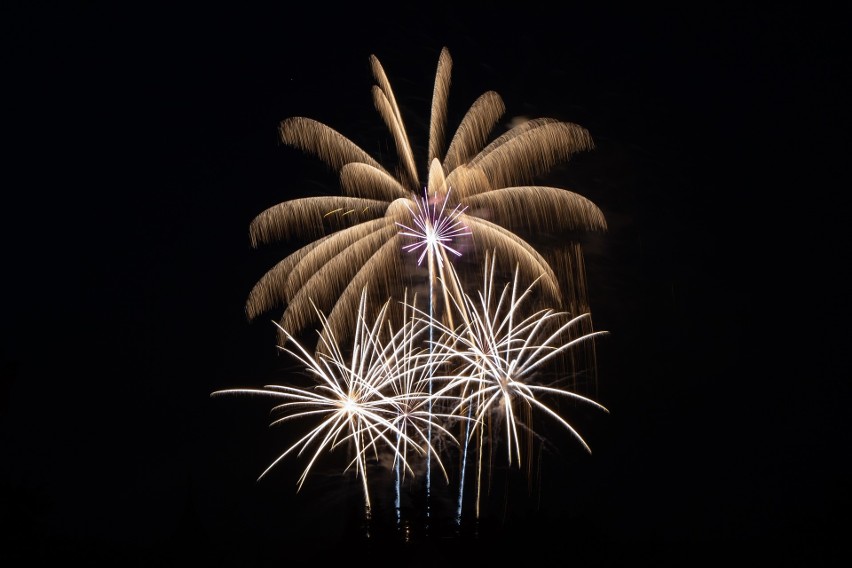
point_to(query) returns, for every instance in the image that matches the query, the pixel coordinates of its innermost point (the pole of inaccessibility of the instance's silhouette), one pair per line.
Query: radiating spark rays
(435, 229)
(377, 394)
(370, 396)
(499, 351)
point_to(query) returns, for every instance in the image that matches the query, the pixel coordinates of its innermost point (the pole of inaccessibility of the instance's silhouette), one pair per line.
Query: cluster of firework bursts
(437, 331)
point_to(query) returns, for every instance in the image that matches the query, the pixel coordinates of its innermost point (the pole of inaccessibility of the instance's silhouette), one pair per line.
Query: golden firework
(490, 185)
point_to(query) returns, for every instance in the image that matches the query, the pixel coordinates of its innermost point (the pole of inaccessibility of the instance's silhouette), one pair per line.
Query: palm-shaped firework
(358, 238)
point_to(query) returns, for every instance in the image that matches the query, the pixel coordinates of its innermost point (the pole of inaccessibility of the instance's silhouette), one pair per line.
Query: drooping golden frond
(312, 217)
(336, 244)
(515, 251)
(440, 100)
(391, 117)
(528, 154)
(279, 284)
(514, 132)
(538, 207)
(382, 273)
(466, 181)
(313, 137)
(474, 129)
(384, 86)
(437, 181)
(363, 180)
(327, 286)
(270, 291)
(386, 104)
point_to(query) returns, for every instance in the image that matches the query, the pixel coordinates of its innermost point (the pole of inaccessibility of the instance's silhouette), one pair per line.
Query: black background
(141, 142)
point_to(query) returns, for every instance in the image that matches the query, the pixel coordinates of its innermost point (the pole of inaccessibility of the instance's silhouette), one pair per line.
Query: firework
(499, 350)
(393, 380)
(368, 396)
(357, 241)
(436, 229)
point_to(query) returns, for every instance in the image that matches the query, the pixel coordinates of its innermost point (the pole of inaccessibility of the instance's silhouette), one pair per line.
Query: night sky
(140, 143)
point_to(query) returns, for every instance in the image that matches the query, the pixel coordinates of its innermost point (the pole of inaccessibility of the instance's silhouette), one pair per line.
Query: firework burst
(356, 237)
(436, 229)
(500, 352)
(369, 398)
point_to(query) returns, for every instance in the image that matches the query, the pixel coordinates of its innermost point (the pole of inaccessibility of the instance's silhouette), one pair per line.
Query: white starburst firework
(499, 349)
(371, 398)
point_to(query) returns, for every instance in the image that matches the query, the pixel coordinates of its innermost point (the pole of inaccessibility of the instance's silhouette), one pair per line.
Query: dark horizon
(144, 143)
